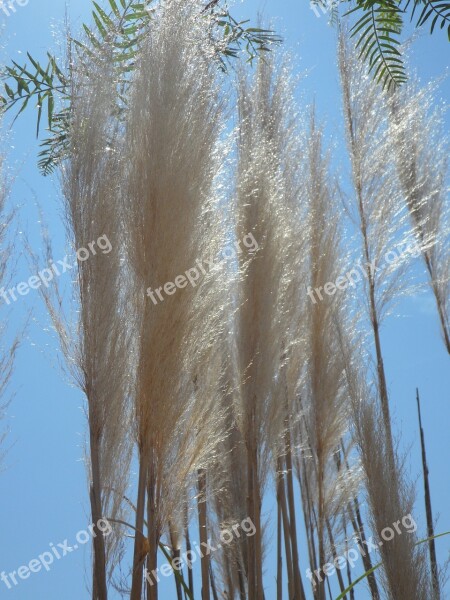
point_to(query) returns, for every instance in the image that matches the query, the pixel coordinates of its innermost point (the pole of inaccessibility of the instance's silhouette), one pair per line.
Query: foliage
(119, 31)
(378, 30)
(379, 26)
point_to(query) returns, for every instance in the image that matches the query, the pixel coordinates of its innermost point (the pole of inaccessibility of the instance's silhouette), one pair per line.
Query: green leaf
(125, 56)
(435, 8)
(22, 108)
(100, 26)
(83, 47)
(114, 8)
(377, 29)
(9, 91)
(50, 109)
(136, 15)
(39, 107)
(107, 21)
(94, 41)
(22, 86)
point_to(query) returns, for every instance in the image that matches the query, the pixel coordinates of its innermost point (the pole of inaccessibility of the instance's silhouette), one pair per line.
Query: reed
(416, 133)
(217, 385)
(173, 219)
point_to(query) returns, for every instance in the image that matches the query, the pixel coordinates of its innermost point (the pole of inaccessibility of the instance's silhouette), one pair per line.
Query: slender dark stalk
(213, 582)
(367, 561)
(279, 554)
(202, 523)
(308, 506)
(358, 527)
(381, 373)
(175, 555)
(349, 577)
(153, 533)
(138, 558)
(188, 550)
(310, 519)
(333, 549)
(428, 507)
(281, 498)
(298, 584)
(443, 318)
(307, 510)
(99, 586)
(240, 569)
(320, 530)
(251, 584)
(349, 571)
(258, 527)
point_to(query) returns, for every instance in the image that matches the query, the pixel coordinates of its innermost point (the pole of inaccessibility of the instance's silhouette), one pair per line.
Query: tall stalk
(298, 584)
(203, 529)
(354, 512)
(282, 504)
(268, 184)
(100, 589)
(323, 422)
(138, 554)
(172, 218)
(279, 554)
(389, 495)
(380, 217)
(99, 350)
(428, 508)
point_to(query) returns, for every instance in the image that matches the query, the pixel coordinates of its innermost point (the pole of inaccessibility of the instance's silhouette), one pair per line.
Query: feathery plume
(264, 209)
(98, 347)
(324, 403)
(173, 222)
(421, 155)
(378, 215)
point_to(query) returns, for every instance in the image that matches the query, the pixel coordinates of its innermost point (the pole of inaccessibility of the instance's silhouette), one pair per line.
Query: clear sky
(43, 495)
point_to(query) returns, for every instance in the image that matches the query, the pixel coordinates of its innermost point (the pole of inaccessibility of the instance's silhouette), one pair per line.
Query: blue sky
(43, 487)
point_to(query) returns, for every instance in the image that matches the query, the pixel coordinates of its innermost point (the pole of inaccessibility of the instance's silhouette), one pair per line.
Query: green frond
(377, 30)
(436, 12)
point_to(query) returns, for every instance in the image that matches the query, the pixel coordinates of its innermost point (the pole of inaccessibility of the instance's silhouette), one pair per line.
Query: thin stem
(202, 523)
(99, 586)
(139, 540)
(428, 507)
(279, 554)
(298, 584)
